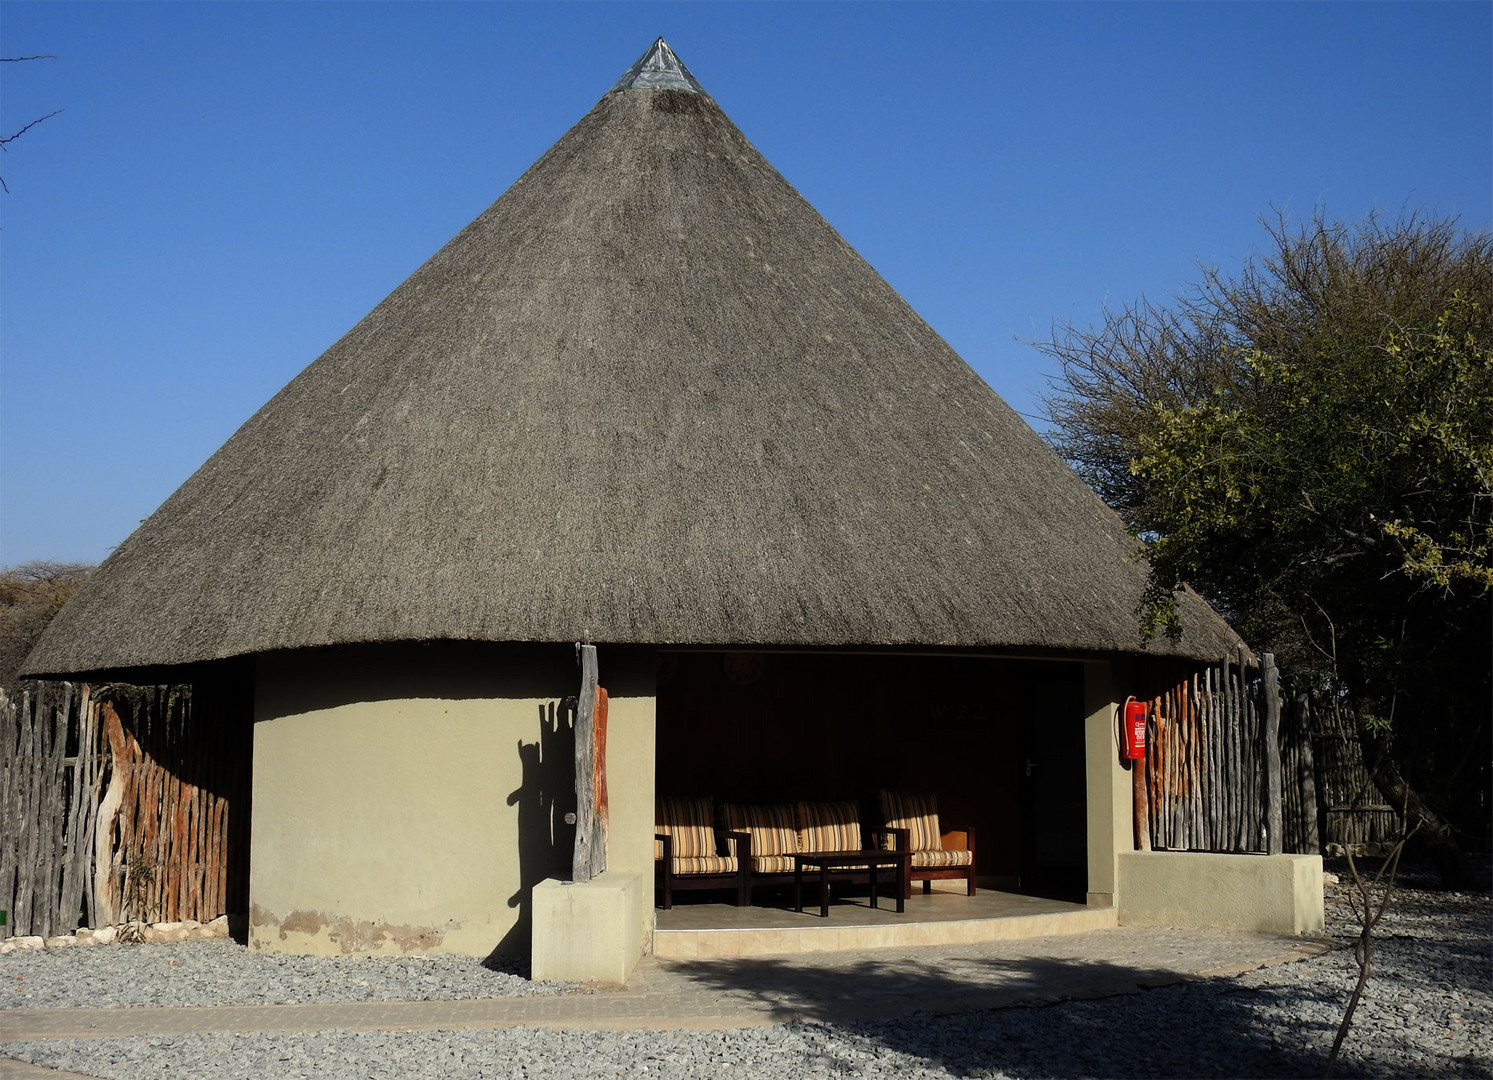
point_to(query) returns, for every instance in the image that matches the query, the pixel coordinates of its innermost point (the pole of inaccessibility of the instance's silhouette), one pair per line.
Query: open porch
(942, 917)
(998, 742)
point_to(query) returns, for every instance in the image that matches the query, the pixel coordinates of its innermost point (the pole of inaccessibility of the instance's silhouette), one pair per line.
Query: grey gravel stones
(1428, 1012)
(224, 973)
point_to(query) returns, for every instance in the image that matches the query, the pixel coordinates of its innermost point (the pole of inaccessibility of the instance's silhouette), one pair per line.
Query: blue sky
(233, 185)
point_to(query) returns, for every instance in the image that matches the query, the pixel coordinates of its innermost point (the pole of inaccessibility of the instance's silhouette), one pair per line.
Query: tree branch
(12, 138)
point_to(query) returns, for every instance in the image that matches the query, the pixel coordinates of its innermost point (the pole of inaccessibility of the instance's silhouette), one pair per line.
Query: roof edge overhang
(188, 671)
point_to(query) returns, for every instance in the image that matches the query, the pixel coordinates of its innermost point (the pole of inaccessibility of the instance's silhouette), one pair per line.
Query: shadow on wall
(311, 680)
(546, 841)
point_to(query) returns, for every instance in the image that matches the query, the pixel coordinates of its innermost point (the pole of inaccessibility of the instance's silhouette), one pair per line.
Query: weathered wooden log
(599, 772)
(1250, 699)
(107, 852)
(55, 794)
(1210, 792)
(91, 802)
(10, 730)
(1231, 760)
(75, 852)
(1141, 815)
(1303, 777)
(1237, 766)
(1184, 703)
(1178, 725)
(590, 836)
(1159, 767)
(1210, 759)
(28, 813)
(1215, 760)
(1198, 839)
(1153, 773)
(1179, 771)
(1173, 771)
(1270, 738)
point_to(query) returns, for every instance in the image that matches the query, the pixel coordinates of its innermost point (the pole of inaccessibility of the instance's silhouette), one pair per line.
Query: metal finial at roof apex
(658, 69)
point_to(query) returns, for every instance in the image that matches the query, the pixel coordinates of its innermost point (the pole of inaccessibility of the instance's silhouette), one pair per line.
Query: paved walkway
(742, 992)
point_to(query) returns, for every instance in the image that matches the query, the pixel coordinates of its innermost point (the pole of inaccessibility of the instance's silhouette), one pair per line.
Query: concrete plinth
(590, 932)
(1262, 893)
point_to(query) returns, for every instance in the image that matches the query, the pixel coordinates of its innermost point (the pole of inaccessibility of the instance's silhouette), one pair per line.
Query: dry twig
(1369, 909)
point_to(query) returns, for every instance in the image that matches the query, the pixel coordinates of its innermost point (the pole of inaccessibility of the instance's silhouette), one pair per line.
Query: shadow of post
(545, 795)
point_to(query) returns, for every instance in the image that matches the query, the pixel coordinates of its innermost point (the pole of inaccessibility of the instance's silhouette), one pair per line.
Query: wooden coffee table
(831, 862)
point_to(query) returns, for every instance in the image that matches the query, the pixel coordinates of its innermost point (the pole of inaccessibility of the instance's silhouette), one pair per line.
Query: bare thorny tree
(6, 140)
(1369, 898)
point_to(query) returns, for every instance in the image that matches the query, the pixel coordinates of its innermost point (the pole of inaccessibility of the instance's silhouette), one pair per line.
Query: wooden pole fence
(1224, 771)
(120, 803)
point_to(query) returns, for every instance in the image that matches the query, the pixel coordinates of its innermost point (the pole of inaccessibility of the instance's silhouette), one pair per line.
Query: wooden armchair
(912, 824)
(685, 854)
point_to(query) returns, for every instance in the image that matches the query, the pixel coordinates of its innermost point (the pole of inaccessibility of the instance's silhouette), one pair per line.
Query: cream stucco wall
(407, 798)
(1279, 894)
(1108, 784)
(630, 772)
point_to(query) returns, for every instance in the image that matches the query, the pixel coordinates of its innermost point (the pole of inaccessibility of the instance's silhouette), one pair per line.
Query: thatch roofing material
(651, 396)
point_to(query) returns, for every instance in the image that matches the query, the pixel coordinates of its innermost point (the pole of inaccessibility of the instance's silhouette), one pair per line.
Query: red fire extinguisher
(1134, 729)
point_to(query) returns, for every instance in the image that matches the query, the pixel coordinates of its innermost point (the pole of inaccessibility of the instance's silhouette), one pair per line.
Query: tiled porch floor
(941, 918)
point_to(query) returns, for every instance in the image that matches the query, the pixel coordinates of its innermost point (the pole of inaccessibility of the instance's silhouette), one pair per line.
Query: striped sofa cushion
(704, 864)
(940, 858)
(691, 824)
(828, 826)
(770, 827)
(917, 813)
(772, 864)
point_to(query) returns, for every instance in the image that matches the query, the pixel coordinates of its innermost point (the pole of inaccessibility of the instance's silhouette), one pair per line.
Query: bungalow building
(648, 400)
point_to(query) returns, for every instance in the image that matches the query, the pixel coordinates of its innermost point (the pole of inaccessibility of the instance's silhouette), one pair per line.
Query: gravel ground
(1428, 1011)
(222, 972)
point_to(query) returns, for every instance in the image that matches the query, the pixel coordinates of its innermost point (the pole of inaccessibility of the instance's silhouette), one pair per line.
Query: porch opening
(999, 741)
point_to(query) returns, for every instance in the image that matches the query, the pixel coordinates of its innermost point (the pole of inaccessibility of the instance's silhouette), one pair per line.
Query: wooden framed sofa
(686, 854)
(756, 843)
(775, 832)
(912, 824)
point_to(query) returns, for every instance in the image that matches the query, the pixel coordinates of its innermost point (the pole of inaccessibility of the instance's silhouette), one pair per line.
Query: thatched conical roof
(649, 395)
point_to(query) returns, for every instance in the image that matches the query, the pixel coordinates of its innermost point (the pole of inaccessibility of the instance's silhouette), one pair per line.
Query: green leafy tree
(1309, 443)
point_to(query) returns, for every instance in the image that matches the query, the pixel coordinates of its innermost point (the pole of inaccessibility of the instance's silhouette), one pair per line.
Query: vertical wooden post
(1306, 779)
(76, 855)
(1142, 810)
(1232, 774)
(1274, 838)
(1178, 799)
(10, 783)
(1197, 770)
(590, 773)
(25, 822)
(60, 714)
(108, 899)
